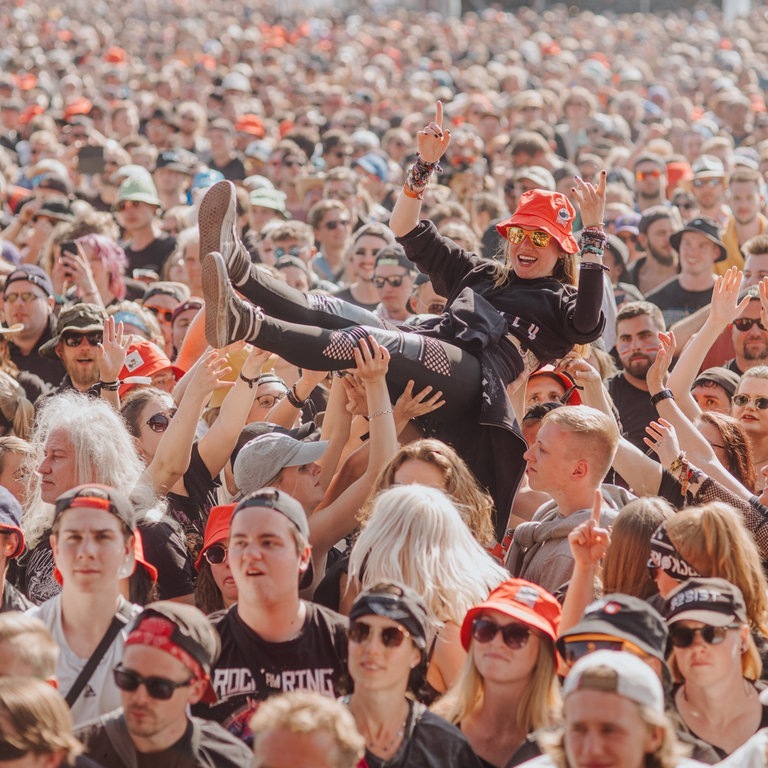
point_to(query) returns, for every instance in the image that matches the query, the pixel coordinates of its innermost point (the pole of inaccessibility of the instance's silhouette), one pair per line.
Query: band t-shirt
(251, 669)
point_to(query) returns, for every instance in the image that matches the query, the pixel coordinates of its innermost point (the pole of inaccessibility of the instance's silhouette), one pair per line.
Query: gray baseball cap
(262, 458)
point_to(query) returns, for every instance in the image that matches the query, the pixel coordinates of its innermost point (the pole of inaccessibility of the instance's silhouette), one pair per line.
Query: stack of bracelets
(593, 240)
(418, 178)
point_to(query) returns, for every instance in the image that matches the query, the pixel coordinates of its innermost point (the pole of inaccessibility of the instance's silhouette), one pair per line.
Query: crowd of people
(382, 390)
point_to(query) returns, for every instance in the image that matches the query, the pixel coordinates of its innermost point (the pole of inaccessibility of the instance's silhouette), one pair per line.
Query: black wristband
(110, 386)
(249, 382)
(663, 395)
(293, 398)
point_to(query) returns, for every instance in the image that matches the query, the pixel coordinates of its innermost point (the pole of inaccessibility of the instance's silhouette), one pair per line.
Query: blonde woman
(415, 535)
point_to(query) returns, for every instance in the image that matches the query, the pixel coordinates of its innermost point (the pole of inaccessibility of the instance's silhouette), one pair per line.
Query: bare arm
(725, 307)
(432, 143)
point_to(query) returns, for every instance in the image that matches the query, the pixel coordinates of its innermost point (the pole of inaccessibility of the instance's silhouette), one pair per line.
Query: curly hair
(738, 450)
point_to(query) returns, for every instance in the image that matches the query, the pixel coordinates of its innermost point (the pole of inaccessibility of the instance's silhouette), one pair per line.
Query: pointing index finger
(439, 114)
(597, 506)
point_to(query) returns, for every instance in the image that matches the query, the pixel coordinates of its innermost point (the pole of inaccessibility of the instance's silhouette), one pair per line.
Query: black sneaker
(227, 317)
(217, 225)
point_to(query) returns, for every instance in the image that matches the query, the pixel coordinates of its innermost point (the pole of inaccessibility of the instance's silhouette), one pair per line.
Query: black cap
(394, 254)
(95, 496)
(32, 274)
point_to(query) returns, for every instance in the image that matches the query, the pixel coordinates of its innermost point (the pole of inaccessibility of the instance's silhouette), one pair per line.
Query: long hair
(133, 405)
(538, 707)
(416, 536)
(625, 565)
(738, 451)
(474, 504)
(208, 596)
(714, 541)
(105, 453)
(565, 271)
(16, 412)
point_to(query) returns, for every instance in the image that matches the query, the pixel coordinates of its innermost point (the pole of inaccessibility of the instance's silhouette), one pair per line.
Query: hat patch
(611, 608)
(527, 596)
(563, 216)
(133, 361)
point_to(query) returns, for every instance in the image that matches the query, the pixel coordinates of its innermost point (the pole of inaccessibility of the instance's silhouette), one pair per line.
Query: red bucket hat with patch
(550, 212)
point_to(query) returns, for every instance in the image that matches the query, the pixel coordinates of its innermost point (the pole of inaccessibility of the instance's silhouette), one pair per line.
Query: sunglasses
(395, 281)
(698, 183)
(761, 403)
(26, 297)
(391, 637)
(582, 645)
(540, 239)
(267, 401)
(76, 339)
(685, 205)
(161, 314)
(514, 635)
(294, 251)
(683, 637)
(157, 687)
(745, 323)
(336, 224)
(643, 175)
(159, 422)
(216, 554)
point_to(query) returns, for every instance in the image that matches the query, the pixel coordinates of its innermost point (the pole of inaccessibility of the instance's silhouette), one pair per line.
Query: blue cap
(370, 162)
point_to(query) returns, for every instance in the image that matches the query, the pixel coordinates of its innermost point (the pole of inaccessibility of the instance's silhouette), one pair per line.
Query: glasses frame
(218, 547)
(538, 237)
(748, 323)
(74, 339)
(742, 401)
(390, 637)
(709, 634)
(394, 280)
(515, 635)
(160, 421)
(159, 688)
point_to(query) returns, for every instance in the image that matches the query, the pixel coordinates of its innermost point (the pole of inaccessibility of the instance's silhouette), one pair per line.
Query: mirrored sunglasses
(161, 313)
(540, 239)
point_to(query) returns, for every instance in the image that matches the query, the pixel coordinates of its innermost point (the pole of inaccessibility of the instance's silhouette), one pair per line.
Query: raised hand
(371, 360)
(410, 406)
(725, 305)
(433, 140)
(588, 541)
(656, 377)
(110, 354)
(662, 438)
(591, 200)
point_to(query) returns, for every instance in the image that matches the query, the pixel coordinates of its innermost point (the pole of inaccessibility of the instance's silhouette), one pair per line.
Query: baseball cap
(32, 274)
(704, 226)
(548, 211)
(664, 555)
(257, 428)
(143, 358)
(394, 254)
(206, 178)
(216, 529)
(549, 370)
(616, 672)
(82, 318)
(10, 517)
(521, 600)
(269, 198)
(261, 459)
(95, 496)
(176, 160)
(250, 124)
(140, 189)
(708, 166)
(711, 601)
(624, 617)
(372, 163)
(396, 602)
(627, 222)
(728, 380)
(539, 175)
(182, 631)
(280, 501)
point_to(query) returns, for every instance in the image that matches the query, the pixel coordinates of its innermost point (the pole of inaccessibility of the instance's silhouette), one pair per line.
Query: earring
(744, 648)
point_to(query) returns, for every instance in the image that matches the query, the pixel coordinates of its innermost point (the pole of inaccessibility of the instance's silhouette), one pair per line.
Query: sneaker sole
(215, 290)
(212, 216)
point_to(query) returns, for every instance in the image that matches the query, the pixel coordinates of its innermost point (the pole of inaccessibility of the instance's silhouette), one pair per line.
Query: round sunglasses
(513, 635)
(157, 687)
(216, 554)
(159, 422)
(540, 239)
(391, 637)
(761, 403)
(683, 637)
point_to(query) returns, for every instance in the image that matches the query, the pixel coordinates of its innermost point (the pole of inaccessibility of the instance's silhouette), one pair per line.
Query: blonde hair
(416, 536)
(538, 707)
(474, 504)
(566, 268)
(16, 410)
(713, 540)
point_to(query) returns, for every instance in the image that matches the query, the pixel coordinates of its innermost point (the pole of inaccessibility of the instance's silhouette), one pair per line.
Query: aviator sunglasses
(513, 635)
(157, 687)
(540, 239)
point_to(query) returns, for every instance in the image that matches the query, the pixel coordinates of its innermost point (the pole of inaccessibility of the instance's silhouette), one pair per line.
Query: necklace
(387, 746)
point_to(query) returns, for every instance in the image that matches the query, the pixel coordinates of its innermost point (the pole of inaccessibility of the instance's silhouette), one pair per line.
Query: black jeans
(320, 333)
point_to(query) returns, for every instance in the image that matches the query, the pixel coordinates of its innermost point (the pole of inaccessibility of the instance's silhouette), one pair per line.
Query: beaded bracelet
(418, 175)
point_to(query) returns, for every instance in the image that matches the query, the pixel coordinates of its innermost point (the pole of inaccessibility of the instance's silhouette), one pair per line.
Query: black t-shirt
(250, 669)
(165, 548)
(676, 303)
(346, 295)
(234, 170)
(151, 257)
(430, 742)
(634, 407)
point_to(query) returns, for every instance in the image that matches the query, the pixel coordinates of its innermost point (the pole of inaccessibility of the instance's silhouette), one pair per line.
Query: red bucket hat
(216, 529)
(550, 212)
(519, 599)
